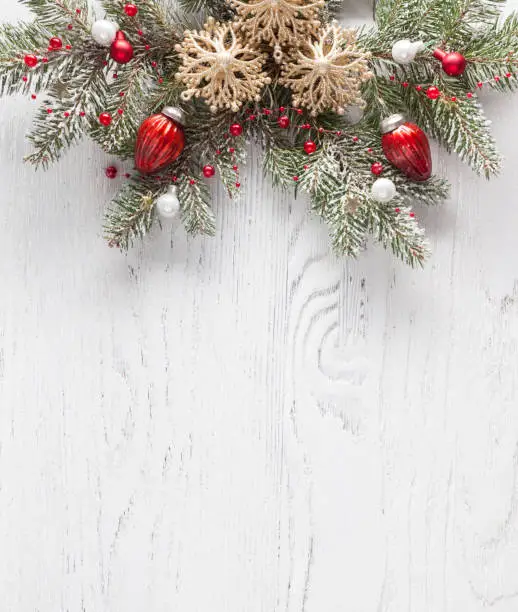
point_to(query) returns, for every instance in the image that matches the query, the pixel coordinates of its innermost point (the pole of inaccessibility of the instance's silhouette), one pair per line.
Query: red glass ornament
(111, 172)
(105, 119)
(377, 168)
(433, 92)
(55, 43)
(30, 60)
(121, 50)
(160, 140)
(283, 121)
(406, 147)
(453, 64)
(310, 147)
(208, 171)
(131, 10)
(236, 129)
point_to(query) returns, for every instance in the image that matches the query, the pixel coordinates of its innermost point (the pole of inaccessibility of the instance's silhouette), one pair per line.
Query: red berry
(377, 168)
(418, 88)
(236, 129)
(398, 210)
(154, 64)
(131, 10)
(469, 94)
(147, 47)
(454, 98)
(231, 150)
(68, 47)
(299, 111)
(105, 119)
(44, 59)
(192, 182)
(433, 92)
(30, 60)
(111, 172)
(55, 43)
(160, 80)
(25, 79)
(238, 185)
(355, 139)
(121, 111)
(310, 147)
(70, 26)
(208, 171)
(295, 178)
(235, 168)
(66, 114)
(405, 84)
(33, 96)
(283, 121)
(78, 11)
(252, 117)
(392, 77)
(412, 215)
(82, 114)
(480, 84)
(306, 167)
(282, 109)
(49, 111)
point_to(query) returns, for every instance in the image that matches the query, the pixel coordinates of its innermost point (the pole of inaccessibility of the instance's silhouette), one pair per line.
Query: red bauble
(377, 168)
(283, 121)
(310, 147)
(105, 119)
(208, 171)
(453, 64)
(131, 10)
(55, 43)
(111, 172)
(406, 147)
(30, 60)
(160, 140)
(121, 50)
(236, 129)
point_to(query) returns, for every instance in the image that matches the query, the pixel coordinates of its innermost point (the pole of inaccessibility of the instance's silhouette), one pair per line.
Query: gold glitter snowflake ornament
(327, 73)
(220, 68)
(278, 22)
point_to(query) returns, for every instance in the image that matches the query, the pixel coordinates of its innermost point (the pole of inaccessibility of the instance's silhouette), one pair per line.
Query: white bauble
(404, 51)
(168, 205)
(383, 190)
(104, 32)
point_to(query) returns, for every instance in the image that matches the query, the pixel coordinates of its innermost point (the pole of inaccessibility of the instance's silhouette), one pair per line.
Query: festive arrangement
(343, 114)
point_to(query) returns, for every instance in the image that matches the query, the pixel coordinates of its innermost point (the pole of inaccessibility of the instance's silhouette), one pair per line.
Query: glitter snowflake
(278, 22)
(220, 68)
(327, 73)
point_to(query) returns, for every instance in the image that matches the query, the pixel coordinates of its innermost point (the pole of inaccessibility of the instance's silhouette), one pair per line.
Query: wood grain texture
(248, 423)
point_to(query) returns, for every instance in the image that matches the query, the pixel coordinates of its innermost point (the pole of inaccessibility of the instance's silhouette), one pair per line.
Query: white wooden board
(247, 423)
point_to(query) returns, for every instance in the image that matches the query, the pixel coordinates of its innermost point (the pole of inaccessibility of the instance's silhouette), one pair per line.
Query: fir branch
(131, 214)
(58, 15)
(128, 110)
(55, 131)
(194, 197)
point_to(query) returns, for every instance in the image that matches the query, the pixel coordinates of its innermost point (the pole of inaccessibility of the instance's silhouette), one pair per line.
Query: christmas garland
(149, 83)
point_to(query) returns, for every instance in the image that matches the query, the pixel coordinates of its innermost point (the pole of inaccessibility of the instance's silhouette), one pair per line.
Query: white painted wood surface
(248, 424)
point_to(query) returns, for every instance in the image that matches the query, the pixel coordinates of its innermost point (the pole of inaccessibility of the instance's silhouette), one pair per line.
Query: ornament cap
(174, 113)
(392, 123)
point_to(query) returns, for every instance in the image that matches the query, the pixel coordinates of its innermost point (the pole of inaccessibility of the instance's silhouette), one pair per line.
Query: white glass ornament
(383, 190)
(168, 205)
(104, 32)
(404, 51)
